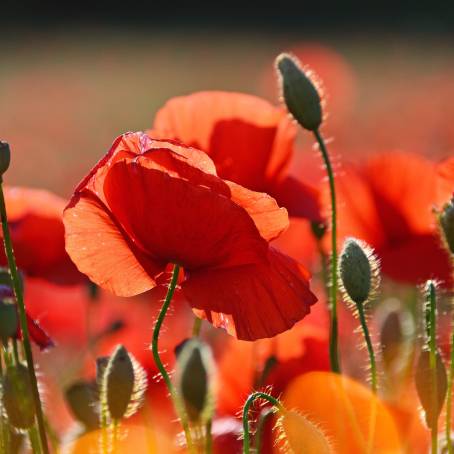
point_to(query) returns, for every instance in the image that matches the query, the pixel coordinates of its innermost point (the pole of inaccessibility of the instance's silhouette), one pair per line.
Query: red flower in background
(149, 203)
(38, 236)
(388, 202)
(250, 141)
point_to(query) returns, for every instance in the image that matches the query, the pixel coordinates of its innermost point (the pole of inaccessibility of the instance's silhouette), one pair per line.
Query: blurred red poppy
(389, 203)
(37, 233)
(148, 203)
(250, 141)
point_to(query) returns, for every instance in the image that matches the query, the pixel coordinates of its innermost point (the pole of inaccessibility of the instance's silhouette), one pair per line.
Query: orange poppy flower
(250, 141)
(37, 233)
(389, 203)
(149, 202)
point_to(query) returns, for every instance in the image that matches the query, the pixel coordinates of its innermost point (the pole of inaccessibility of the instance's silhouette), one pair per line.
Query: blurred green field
(65, 96)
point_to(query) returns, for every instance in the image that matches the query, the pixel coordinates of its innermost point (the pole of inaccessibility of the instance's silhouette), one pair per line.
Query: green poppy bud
(358, 269)
(82, 398)
(194, 374)
(5, 157)
(18, 397)
(447, 225)
(299, 93)
(425, 386)
(123, 384)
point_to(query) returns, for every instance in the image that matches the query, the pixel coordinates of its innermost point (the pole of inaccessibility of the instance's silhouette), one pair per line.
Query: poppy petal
(38, 335)
(269, 218)
(300, 199)
(178, 220)
(253, 301)
(96, 244)
(240, 132)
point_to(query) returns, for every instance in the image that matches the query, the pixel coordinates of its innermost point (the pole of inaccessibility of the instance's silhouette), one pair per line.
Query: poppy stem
(370, 348)
(333, 342)
(250, 400)
(23, 321)
(261, 427)
(196, 327)
(431, 322)
(449, 398)
(157, 359)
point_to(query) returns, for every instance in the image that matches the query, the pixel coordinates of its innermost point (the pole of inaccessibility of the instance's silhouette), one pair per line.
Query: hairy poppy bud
(123, 384)
(5, 279)
(82, 398)
(299, 435)
(18, 397)
(195, 368)
(299, 93)
(447, 224)
(425, 386)
(5, 157)
(359, 272)
(101, 364)
(9, 320)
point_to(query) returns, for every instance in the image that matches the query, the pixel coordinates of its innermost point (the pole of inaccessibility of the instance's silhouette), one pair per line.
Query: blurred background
(73, 78)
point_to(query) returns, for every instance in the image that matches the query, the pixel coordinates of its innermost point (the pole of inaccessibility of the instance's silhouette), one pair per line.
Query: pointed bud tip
(299, 92)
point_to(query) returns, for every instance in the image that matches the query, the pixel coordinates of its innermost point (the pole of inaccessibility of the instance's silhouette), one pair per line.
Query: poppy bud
(5, 279)
(82, 398)
(391, 338)
(195, 368)
(18, 397)
(9, 320)
(299, 92)
(425, 386)
(359, 272)
(447, 224)
(5, 157)
(299, 435)
(123, 384)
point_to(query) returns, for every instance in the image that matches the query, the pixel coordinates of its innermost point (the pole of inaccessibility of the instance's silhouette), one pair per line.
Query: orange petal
(253, 301)
(344, 409)
(101, 251)
(249, 139)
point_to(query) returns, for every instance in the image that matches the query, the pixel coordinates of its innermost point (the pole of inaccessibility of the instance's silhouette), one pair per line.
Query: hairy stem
(333, 342)
(23, 321)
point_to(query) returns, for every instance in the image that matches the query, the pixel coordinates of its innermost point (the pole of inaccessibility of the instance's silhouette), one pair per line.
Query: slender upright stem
(449, 398)
(155, 349)
(370, 348)
(333, 342)
(34, 440)
(433, 362)
(23, 321)
(208, 438)
(250, 400)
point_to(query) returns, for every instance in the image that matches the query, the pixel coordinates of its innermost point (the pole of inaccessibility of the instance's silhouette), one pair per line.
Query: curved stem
(157, 359)
(23, 321)
(250, 400)
(449, 398)
(370, 349)
(333, 343)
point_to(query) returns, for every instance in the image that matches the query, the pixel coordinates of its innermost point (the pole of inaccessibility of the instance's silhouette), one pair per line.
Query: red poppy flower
(389, 203)
(37, 233)
(148, 203)
(250, 141)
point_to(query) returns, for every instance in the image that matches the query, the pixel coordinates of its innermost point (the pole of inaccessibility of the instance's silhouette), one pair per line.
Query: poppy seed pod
(18, 397)
(82, 398)
(123, 384)
(299, 93)
(447, 224)
(358, 269)
(5, 157)
(195, 368)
